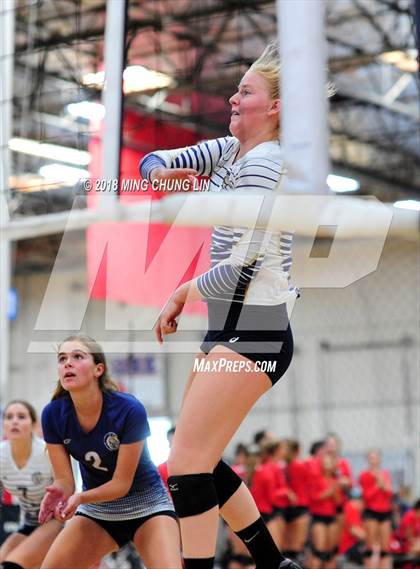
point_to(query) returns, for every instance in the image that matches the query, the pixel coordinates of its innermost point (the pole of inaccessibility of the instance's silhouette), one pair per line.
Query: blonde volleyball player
(249, 344)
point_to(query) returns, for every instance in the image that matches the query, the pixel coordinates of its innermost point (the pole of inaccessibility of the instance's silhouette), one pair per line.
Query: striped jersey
(247, 265)
(27, 484)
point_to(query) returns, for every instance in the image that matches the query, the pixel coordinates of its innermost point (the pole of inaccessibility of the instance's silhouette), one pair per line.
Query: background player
(25, 472)
(123, 497)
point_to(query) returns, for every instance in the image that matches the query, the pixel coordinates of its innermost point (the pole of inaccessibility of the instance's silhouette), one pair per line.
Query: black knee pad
(10, 565)
(384, 553)
(368, 553)
(192, 494)
(226, 482)
(322, 555)
(328, 555)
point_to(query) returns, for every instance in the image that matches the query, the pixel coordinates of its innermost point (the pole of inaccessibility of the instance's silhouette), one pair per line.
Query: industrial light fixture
(414, 205)
(404, 60)
(136, 79)
(60, 174)
(50, 151)
(342, 184)
(88, 110)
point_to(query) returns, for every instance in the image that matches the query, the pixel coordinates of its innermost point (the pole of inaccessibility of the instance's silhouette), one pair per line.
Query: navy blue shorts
(260, 333)
(123, 531)
(26, 529)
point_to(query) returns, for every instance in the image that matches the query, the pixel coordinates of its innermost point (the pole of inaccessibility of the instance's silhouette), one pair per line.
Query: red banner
(139, 263)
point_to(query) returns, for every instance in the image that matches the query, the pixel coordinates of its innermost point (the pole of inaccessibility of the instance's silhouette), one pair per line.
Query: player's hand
(68, 509)
(166, 322)
(54, 496)
(168, 174)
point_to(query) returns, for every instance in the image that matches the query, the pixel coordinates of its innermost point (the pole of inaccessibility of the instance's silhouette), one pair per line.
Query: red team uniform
(352, 518)
(410, 529)
(377, 500)
(343, 469)
(269, 489)
(321, 507)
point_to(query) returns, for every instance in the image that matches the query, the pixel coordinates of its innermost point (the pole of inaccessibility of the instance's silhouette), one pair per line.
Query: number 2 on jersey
(95, 460)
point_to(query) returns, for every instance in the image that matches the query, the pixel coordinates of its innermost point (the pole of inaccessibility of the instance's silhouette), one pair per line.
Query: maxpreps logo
(111, 441)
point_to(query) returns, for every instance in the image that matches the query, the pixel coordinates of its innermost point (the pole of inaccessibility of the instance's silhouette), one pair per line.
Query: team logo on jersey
(229, 180)
(111, 441)
(37, 477)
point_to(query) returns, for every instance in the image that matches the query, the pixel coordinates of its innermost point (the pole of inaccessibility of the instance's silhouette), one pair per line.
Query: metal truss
(205, 46)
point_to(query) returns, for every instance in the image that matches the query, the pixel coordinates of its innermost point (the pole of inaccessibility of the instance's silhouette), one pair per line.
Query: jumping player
(123, 498)
(246, 290)
(25, 472)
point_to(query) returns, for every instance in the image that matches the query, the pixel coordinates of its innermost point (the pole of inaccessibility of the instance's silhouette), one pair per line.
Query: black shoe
(289, 564)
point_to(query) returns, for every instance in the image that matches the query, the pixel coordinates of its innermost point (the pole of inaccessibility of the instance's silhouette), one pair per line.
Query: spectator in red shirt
(376, 488)
(297, 512)
(410, 530)
(324, 497)
(353, 534)
(316, 452)
(270, 490)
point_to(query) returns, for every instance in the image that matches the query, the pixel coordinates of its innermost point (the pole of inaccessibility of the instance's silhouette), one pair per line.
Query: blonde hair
(268, 66)
(105, 383)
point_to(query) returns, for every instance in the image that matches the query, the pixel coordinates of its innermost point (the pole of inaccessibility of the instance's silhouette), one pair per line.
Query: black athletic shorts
(260, 333)
(378, 516)
(266, 517)
(279, 513)
(295, 512)
(123, 531)
(326, 520)
(25, 529)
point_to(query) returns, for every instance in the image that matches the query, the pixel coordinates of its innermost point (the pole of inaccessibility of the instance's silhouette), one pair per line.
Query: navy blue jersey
(123, 420)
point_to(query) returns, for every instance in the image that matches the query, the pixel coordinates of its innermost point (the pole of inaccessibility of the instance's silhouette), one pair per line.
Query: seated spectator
(410, 530)
(353, 534)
